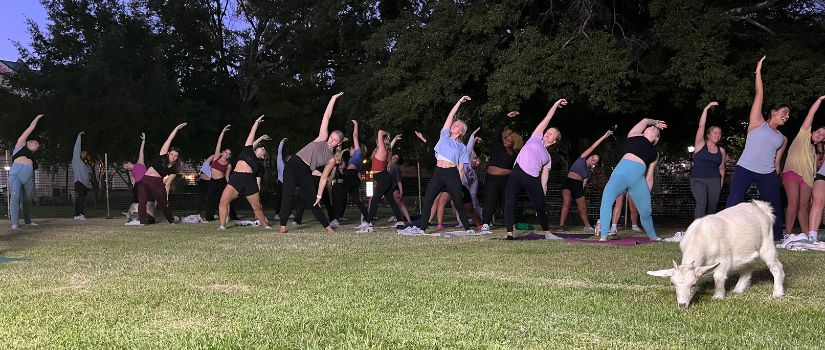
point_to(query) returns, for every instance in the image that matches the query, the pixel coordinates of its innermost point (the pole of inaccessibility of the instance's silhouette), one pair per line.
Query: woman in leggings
(136, 173)
(153, 184)
(298, 170)
(21, 175)
(798, 174)
(245, 179)
(469, 188)
(576, 181)
(451, 155)
(221, 168)
(708, 166)
(759, 162)
(383, 182)
(398, 188)
(634, 174)
(503, 152)
(531, 171)
(351, 186)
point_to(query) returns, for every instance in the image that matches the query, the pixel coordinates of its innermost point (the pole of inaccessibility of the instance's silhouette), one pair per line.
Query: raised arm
(546, 121)
(220, 141)
(263, 137)
(639, 128)
(140, 152)
(420, 136)
(394, 140)
(76, 150)
(471, 143)
(250, 139)
(756, 118)
(809, 119)
(323, 132)
(355, 140)
(379, 141)
(449, 121)
(165, 148)
(592, 148)
(699, 140)
(21, 141)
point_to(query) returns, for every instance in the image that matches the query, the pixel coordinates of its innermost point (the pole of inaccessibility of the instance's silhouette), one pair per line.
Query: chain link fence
(54, 195)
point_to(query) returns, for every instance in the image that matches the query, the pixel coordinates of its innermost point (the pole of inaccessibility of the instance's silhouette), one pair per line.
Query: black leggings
(297, 173)
(350, 187)
(520, 180)
(443, 180)
(325, 201)
(80, 191)
(494, 186)
(214, 190)
(383, 187)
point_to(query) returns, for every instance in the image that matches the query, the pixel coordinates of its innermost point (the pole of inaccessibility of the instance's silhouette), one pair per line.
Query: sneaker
(364, 228)
(655, 239)
(812, 236)
(391, 219)
(334, 224)
(133, 223)
(221, 228)
(551, 236)
(602, 239)
(411, 231)
(561, 229)
(613, 231)
(32, 224)
(459, 225)
(587, 228)
(400, 223)
(635, 228)
(676, 238)
(80, 217)
(13, 227)
(484, 228)
(276, 217)
(295, 224)
(470, 232)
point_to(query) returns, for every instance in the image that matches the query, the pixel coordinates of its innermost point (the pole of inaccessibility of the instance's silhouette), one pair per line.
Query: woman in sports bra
(634, 174)
(21, 175)
(298, 170)
(708, 166)
(576, 180)
(503, 152)
(383, 182)
(246, 177)
(531, 172)
(759, 162)
(221, 168)
(451, 155)
(165, 165)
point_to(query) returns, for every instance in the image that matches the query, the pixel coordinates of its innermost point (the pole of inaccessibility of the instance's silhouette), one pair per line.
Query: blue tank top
(706, 164)
(759, 154)
(580, 167)
(355, 159)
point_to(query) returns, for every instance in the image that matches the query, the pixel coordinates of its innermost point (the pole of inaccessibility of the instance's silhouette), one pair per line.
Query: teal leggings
(628, 176)
(21, 188)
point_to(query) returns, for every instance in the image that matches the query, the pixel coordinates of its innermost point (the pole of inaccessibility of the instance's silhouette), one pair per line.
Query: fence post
(106, 181)
(418, 170)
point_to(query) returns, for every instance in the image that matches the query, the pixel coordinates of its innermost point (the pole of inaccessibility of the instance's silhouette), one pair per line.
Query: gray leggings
(706, 193)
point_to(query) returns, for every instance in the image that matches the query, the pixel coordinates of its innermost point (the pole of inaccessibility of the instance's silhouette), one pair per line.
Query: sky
(13, 14)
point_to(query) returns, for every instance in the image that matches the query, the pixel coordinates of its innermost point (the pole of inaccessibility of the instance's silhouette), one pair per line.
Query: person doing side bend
(759, 162)
(82, 183)
(634, 174)
(798, 174)
(21, 176)
(350, 188)
(451, 155)
(503, 151)
(576, 181)
(136, 172)
(245, 179)
(221, 168)
(383, 182)
(818, 203)
(531, 171)
(166, 164)
(298, 170)
(708, 170)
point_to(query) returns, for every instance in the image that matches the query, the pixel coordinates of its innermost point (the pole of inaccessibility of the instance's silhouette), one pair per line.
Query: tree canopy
(115, 68)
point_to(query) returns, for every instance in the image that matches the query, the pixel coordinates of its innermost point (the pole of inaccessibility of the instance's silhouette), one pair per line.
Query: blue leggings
(628, 176)
(21, 188)
(768, 187)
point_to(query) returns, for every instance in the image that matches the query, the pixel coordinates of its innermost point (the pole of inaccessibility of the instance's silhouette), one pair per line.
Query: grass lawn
(100, 284)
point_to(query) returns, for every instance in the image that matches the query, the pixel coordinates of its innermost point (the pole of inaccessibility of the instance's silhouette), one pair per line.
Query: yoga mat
(573, 235)
(627, 241)
(7, 260)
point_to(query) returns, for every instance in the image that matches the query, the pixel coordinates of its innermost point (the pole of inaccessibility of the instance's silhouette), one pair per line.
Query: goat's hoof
(778, 294)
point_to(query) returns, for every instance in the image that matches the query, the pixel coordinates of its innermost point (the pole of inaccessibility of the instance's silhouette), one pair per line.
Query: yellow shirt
(802, 157)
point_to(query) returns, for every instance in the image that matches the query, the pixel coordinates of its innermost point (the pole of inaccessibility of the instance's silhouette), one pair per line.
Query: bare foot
(330, 230)
(283, 229)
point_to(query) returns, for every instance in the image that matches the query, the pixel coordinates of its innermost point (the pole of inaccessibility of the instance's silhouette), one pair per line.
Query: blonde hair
(463, 126)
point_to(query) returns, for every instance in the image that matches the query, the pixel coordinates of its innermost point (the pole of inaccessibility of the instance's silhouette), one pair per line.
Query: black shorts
(245, 183)
(466, 197)
(576, 187)
(819, 177)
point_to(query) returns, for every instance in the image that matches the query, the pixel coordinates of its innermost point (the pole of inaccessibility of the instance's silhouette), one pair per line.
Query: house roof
(15, 66)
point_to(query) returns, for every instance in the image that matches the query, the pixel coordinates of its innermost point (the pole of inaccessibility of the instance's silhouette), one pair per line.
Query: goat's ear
(701, 270)
(661, 273)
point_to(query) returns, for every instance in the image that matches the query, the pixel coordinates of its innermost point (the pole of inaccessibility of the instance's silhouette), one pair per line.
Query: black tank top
(25, 152)
(641, 147)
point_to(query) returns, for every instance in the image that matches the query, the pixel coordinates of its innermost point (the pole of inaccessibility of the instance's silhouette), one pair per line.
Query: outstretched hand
(512, 114)
(226, 128)
(260, 119)
(338, 95)
(561, 102)
(821, 98)
(143, 136)
(660, 124)
(464, 99)
(759, 64)
(608, 133)
(711, 105)
(265, 137)
(38, 117)
(81, 133)
(180, 126)
(397, 137)
(354, 122)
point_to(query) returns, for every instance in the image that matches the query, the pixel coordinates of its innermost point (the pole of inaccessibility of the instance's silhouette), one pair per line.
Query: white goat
(729, 240)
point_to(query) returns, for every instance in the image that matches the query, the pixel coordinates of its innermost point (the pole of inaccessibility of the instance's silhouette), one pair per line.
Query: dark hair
(779, 106)
(400, 159)
(176, 162)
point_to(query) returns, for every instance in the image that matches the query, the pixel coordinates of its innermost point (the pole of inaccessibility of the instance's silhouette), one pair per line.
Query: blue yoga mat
(7, 260)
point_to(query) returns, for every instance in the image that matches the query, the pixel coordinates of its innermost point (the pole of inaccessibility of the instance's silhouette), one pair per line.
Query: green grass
(103, 285)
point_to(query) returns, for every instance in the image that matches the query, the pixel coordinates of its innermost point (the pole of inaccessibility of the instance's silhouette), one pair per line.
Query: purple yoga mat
(627, 241)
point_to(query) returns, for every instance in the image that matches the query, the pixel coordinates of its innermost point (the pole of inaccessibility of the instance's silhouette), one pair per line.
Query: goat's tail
(766, 208)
